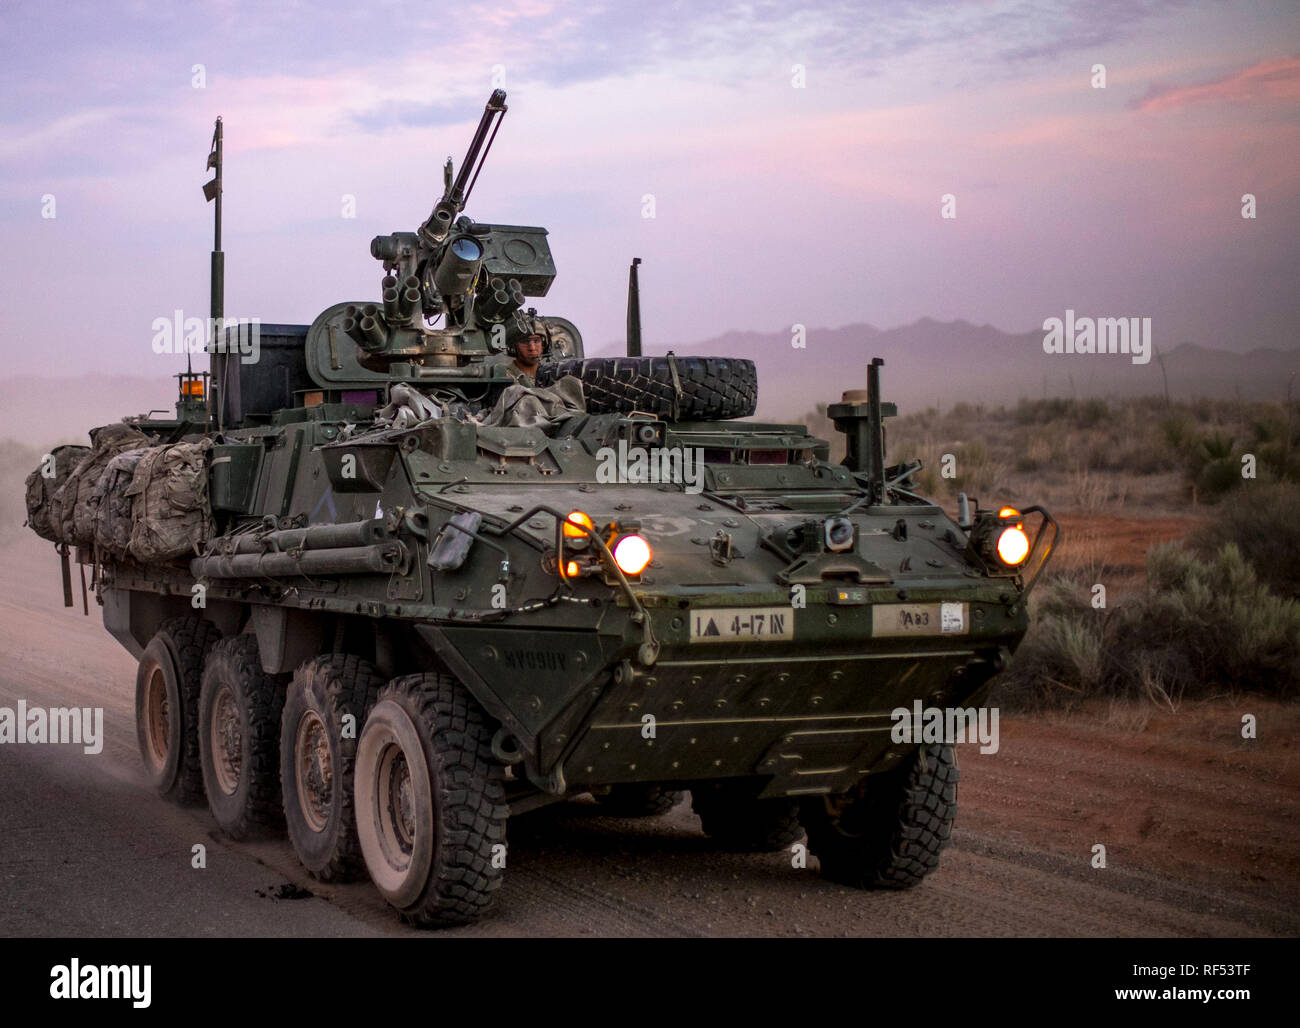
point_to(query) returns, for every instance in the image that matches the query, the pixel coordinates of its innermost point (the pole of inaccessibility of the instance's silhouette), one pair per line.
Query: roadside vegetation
(1205, 625)
(1093, 455)
(1217, 615)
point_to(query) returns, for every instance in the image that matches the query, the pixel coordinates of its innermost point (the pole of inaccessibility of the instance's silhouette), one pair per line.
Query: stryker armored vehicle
(387, 593)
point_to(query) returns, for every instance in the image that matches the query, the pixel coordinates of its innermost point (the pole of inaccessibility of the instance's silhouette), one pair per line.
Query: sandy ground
(1201, 830)
(1113, 549)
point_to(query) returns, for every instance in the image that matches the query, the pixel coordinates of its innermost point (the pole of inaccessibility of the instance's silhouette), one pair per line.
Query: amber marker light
(575, 524)
(571, 569)
(193, 387)
(1008, 512)
(1013, 546)
(631, 554)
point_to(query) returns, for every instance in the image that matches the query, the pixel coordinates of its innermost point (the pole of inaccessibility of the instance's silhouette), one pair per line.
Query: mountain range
(936, 364)
(928, 363)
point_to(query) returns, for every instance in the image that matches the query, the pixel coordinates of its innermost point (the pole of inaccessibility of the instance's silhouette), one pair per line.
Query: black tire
(712, 388)
(632, 799)
(239, 738)
(167, 706)
(738, 821)
(317, 757)
(890, 832)
(430, 797)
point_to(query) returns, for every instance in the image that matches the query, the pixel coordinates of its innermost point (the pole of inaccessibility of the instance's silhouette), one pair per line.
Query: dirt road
(1201, 829)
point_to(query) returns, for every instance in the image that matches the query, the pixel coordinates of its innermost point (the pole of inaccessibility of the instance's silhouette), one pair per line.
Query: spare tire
(703, 388)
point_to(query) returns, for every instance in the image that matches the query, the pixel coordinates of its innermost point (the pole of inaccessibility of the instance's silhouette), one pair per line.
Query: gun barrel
(439, 222)
(495, 106)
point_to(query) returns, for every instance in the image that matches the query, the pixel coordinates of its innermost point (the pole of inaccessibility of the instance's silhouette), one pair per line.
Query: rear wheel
(167, 706)
(239, 738)
(632, 799)
(430, 802)
(738, 820)
(324, 709)
(890, 830)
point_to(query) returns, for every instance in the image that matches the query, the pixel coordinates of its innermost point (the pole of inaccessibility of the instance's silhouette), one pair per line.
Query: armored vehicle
(388, 585)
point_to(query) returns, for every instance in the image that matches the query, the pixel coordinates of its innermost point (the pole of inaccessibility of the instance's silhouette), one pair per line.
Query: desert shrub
(1089, 413)
(1213, 464)
(1265, 528)
(1178, 431)
(1219, 625)
(1041, 412)
(978, 472)
(1275, 441)
(1095, 493)
(1205, 625)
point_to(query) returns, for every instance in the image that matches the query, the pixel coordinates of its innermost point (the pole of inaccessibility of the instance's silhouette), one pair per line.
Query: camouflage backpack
(170, 513)
(44, 516)
(113, 517)
(79, 496)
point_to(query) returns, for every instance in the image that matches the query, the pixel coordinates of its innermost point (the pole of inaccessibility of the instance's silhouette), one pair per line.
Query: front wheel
(889, 831)
(430, 802)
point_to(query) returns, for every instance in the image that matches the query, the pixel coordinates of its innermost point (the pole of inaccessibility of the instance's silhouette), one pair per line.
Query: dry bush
(1204, 626)
(1090, 453)
(1094, 493)
(1265, 527)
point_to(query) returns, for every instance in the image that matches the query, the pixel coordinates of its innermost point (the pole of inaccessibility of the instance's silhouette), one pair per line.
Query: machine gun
(474, 276)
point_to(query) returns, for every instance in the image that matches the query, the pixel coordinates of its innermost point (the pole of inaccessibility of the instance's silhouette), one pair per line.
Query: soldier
(528, 355)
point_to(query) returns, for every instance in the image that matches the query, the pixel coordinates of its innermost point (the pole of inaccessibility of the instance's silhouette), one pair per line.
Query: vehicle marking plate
(920, 619)
(747, 624)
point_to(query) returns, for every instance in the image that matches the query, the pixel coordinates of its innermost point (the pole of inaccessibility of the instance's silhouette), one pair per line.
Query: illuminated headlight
(1000, 539)
(1013, 546)
(631, 554)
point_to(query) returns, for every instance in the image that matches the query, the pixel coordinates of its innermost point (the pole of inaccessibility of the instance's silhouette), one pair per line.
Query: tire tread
(712, 388)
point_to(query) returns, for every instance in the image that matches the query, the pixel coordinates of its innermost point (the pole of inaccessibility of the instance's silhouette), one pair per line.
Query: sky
(796, 159)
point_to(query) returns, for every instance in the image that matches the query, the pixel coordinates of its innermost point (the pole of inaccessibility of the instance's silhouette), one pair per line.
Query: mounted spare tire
(673, 388)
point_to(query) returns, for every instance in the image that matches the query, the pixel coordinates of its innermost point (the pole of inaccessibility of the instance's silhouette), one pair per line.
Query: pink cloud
(1268, 80)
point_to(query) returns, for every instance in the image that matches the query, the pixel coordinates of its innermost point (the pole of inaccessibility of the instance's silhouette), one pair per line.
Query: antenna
(633, 310)
(217, 301)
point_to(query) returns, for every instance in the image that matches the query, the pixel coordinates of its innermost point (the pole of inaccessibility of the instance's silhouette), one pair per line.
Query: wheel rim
(156, 713)
(397, 820)
(227, 740)
(315, 771)
(396, 813)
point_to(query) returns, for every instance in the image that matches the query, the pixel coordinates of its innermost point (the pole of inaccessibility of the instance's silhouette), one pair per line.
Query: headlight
(1013, 546)
(631, 554)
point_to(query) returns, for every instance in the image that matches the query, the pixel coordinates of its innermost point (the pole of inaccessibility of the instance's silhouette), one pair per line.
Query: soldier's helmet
(529, 327)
